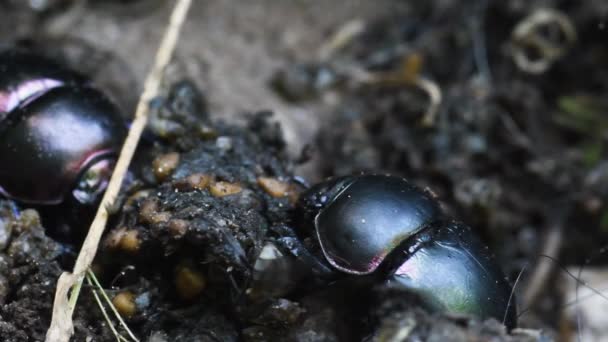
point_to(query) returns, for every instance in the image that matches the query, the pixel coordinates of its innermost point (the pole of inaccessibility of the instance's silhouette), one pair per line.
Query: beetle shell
(53, 129)
(390, 207)
(25, 75)
(386, 226)
(451, 270)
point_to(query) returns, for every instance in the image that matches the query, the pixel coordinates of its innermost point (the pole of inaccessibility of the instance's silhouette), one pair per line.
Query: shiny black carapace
(59, 136)
(375, 224)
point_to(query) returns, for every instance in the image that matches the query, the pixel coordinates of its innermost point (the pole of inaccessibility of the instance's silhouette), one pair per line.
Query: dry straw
(61, 328)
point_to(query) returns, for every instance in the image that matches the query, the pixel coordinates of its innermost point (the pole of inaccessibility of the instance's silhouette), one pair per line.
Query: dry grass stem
(119, 338)
(61, 327)
(91, 277)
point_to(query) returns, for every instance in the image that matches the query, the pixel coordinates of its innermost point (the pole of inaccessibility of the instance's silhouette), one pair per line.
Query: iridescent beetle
(384, 226)
(59, 137)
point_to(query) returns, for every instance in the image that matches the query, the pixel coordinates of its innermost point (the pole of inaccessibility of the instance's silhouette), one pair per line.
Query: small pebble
(124, 302)
(130, 241)
(178, 228)
(189, 282)
(224, 143)
(274, 187)
(149, 213)
(196, 181)
(29, 218)
(221, 189)
(164, 165)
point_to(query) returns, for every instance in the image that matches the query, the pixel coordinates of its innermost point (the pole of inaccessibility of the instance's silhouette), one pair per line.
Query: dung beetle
(59, 136)
(385, 227)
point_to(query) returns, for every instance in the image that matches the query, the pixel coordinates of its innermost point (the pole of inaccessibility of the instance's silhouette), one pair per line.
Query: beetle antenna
(512, 295)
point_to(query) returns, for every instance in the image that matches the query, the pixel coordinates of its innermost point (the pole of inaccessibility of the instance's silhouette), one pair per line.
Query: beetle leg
(290, 242)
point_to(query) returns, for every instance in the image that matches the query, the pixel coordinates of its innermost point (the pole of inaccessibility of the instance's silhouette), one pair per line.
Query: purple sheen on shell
(390, 208)
(46, 145)
(25, 92)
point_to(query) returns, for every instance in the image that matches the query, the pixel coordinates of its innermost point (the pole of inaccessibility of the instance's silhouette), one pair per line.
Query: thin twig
(104, 312)
(91, 276)
(62, 327)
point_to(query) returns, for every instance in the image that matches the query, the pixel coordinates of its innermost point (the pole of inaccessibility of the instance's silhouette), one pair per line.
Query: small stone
(178, 227)
(221, 189)
(147, 210)
(200, 181)
(130, 241)
(189, 282)
(224, 143)
(164, 165)
(274, 187)
(143, 301)
(29, 219)
(196, 181)
(149, 213)
(161, 217)
(124, 302)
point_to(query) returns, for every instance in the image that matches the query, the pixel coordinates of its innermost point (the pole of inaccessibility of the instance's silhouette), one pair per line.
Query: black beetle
(58, 135)
(385, 227)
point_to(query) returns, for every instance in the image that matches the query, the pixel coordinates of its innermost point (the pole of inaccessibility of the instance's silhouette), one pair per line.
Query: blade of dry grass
(61, 327)
(119, 337)
(91, 276)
